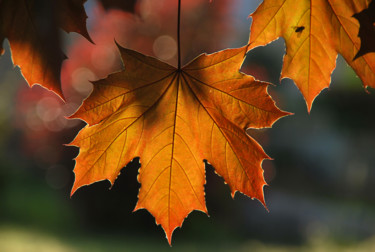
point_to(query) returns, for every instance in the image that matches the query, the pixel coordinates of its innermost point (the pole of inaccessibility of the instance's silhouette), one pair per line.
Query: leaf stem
(178, 34)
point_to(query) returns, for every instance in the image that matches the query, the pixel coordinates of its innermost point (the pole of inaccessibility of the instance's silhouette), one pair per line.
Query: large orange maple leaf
(173, 119)
(315, 31)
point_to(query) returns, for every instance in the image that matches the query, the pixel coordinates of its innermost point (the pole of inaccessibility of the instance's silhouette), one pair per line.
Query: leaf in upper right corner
(315, 31)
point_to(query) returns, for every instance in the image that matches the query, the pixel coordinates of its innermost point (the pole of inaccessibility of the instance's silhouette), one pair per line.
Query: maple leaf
(315, 31)
(32, 28)
(173, 120)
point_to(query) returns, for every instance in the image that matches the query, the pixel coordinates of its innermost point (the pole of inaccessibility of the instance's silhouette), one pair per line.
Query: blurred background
(321, 181)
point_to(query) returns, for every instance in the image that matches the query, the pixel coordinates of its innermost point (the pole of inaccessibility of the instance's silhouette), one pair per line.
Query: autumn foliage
(315, 32)
(176, 119)
(173, 120)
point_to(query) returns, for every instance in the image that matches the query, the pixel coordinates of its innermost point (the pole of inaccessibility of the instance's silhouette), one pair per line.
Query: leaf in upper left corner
(32, 28)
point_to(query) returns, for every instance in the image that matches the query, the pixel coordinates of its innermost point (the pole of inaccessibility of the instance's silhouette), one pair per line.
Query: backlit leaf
(174, 120)
(32, 28)
(329, 28)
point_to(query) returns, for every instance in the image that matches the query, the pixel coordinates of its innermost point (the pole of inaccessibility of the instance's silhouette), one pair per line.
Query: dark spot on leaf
(299, 28)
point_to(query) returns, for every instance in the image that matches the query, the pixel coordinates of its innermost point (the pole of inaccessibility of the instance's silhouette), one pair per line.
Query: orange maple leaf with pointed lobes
(315, 31)
(32, 28)
(174, 120)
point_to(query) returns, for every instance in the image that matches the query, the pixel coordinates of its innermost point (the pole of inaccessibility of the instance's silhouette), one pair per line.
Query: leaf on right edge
(173, 120)
(315, 31)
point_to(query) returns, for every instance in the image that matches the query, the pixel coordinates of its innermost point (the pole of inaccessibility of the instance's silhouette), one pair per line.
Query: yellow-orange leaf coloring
(174, 120)
(315, 31)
